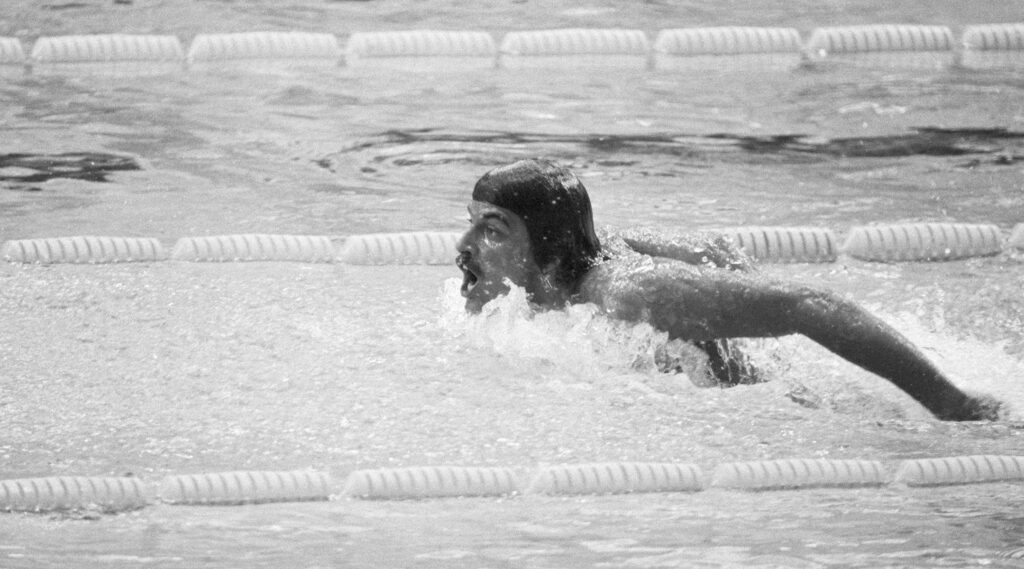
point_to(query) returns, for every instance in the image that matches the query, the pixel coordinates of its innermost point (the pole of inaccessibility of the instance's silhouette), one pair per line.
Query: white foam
(578, 342)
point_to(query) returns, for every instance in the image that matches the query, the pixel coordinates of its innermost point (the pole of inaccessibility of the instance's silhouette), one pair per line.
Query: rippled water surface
(161, 368)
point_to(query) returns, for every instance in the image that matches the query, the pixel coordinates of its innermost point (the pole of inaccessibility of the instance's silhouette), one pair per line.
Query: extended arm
(703, 304)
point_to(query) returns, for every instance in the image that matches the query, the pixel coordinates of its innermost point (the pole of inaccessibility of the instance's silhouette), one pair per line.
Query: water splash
(974, 365)
(577, 340)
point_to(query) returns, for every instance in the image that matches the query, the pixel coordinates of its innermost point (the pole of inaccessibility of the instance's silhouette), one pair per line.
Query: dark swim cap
(556, 209)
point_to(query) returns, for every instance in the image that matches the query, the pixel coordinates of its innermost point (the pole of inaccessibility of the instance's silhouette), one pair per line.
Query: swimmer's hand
(974, 408)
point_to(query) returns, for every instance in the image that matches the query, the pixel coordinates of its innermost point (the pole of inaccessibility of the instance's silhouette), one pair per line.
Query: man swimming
(531, 226)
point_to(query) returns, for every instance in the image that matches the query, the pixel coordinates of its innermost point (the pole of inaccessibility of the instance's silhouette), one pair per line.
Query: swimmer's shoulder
(624, 284)
(700, 248)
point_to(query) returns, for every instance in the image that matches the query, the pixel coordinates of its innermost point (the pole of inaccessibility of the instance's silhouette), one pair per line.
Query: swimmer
(531, 226)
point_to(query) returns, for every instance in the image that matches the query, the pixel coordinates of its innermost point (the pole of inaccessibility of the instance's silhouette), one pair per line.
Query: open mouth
(469, 274)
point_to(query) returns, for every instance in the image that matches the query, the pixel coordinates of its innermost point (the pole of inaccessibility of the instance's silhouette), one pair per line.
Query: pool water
(162, 368)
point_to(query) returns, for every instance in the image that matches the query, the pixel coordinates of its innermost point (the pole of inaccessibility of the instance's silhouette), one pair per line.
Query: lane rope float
(740, 47)
(798, 473)
(421, 50)
(431, 482)
(72, 492)
(107, 53)
(571, 47)
(923, 241)
(83, 249)
(245, 487)
(101, 48)
(993, 46)
(1016, 239)
(11, 52)
(785, 244)
(422, 248)
(255, 247)
(886, 45)
(616, 478)
(960, 470)
(217, 48)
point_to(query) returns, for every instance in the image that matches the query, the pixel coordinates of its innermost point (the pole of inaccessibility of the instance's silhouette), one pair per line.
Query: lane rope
(786, 244)
(881, 243)
(426, 248)
(729, 46)
(923, 242)
(73, 492)
(408, 50)
(114, 494)
(894, 45)
(887, 45)
(960, 470)
(799, 473)
(83, 249)
(214, 48)
(430, 482)
(255, 247)
(616, 478)
(245, 487)
(992, 46)
(573, 46)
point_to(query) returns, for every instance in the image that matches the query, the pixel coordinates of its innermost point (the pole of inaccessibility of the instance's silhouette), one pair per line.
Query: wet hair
(555, 207)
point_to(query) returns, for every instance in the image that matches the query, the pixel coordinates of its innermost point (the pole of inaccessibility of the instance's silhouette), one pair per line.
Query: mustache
(464, 261)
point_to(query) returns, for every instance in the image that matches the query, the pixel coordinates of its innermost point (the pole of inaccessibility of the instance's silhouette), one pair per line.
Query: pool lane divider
(799, 473)
(111, 494)
(992, 46)
(923, 242)
(982, 46)
(83, 249)
(255, 247)
(214, 49)
(1016, 239)
(960, 470)
(245, 487)
(119, 54)
(11, 52)
(416, 49)
(101, 48)
(115, 494)
(569, 48)
(616, 478)
(431, 482)
(786, 244)
(400, 248)
(881, 243)
(727, 47)
(886, 45)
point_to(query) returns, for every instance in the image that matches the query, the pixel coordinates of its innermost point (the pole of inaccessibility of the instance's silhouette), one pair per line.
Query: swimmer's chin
(474, 306)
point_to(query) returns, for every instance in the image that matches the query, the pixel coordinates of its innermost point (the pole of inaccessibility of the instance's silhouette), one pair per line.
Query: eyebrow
(493, 215)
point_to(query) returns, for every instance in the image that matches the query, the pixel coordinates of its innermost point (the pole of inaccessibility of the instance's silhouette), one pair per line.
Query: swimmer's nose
(462, 246)
(462, 259)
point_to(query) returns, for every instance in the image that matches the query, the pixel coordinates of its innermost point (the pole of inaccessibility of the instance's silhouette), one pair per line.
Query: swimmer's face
(496, 248)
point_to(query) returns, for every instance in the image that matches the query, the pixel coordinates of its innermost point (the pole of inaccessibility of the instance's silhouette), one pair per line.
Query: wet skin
(699, 304)
(496, 251)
